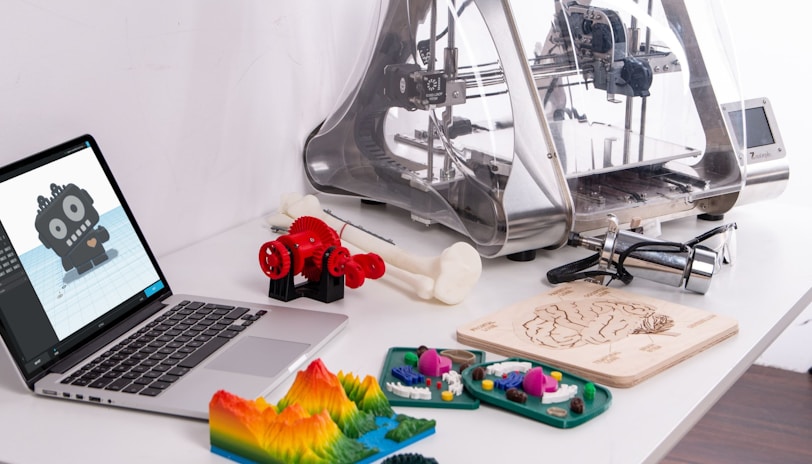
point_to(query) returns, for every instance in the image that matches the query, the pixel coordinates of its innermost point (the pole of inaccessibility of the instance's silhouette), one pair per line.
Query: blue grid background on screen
(71, 300)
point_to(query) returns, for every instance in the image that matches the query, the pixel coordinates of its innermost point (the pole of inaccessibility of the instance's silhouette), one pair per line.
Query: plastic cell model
(524, 387)
(436, 376)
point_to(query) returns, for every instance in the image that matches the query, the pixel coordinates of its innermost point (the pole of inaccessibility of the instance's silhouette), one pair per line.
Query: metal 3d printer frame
(518, 123)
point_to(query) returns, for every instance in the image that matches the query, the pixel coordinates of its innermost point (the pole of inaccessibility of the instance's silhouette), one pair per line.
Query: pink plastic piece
(536, 381)
(533, 383)
(432, 364)
(550, 384)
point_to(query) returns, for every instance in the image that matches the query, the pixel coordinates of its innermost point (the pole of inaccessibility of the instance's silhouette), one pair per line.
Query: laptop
(87, 315)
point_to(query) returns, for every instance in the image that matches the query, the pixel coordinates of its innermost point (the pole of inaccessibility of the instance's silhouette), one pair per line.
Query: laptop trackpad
(258, 356)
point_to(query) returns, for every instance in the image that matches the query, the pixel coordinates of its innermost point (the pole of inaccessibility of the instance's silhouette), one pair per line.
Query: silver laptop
(87, 315)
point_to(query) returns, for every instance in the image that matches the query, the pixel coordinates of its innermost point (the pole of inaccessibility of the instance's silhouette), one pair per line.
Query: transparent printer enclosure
(518, 122)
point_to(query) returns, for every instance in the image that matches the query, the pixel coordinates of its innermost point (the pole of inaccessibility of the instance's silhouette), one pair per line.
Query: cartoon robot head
(66, 222)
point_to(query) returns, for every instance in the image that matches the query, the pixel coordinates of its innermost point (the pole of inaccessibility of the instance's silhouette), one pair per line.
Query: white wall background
(202, 106)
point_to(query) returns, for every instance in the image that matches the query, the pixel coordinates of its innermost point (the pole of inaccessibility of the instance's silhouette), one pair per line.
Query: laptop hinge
(65, 364)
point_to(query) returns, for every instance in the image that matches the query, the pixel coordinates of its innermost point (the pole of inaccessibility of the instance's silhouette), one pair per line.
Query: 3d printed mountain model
(324, 418)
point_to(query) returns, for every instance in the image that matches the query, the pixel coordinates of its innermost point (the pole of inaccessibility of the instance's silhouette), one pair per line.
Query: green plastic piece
(589, 391)
(533, 407)
(397, 357)
(410, 359)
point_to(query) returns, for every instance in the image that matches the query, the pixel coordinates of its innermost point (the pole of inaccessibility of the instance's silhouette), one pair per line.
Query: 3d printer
(518, 123)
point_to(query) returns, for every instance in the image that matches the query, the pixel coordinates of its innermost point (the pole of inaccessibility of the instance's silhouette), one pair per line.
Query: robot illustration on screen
(66, 223)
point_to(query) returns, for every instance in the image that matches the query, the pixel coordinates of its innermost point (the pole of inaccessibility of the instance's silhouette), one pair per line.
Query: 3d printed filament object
(311, 248)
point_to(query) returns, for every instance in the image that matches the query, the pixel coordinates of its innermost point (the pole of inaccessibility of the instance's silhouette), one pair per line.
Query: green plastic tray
(533, 407)
(395, 358)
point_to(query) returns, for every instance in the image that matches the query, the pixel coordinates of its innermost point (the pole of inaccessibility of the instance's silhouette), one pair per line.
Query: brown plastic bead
(516, 395)
(577, 405)
(478, 373)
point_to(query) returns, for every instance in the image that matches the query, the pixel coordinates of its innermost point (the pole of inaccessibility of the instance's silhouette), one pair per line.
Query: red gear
(337, 260)
(302, 251)
(274, 259)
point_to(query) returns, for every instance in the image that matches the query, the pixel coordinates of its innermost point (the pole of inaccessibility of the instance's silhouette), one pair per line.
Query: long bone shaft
(417, 284)
(455, 271)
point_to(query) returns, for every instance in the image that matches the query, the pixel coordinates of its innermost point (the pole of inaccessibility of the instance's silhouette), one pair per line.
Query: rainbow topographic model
(323, 418)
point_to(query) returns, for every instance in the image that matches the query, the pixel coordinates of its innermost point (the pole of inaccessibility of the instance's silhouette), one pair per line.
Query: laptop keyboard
(154, 358)
(11, 271)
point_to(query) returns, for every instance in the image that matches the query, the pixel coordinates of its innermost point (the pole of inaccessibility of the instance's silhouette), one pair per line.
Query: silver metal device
(519, 122)
(622, 254)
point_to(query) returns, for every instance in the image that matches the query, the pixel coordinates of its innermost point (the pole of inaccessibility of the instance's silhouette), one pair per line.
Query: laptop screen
(72, 260)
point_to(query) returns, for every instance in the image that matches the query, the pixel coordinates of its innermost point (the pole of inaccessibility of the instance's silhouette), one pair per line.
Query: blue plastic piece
(408, 375)
(513, 380)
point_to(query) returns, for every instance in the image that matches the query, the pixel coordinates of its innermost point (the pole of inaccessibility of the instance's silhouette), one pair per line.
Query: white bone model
(448, 277)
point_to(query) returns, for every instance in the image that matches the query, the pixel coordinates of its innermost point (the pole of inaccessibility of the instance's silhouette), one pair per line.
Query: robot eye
(74, 208)
(58, 229)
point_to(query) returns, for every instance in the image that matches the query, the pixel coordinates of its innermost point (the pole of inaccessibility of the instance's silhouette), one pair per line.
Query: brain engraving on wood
(578, 323)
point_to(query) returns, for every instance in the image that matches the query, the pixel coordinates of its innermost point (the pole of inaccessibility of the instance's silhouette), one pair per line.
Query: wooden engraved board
(601, 333)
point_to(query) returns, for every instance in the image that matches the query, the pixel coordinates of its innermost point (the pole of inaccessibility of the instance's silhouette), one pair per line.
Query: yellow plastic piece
(447, 395)
(487, 384)
(556, 375)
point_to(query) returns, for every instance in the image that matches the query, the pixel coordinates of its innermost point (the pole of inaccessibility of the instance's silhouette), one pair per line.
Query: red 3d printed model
(311, 248)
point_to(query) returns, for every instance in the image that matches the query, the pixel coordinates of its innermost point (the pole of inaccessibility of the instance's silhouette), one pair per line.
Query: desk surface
(644, 422)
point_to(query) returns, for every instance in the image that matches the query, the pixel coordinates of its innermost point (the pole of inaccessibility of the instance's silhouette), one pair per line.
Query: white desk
(644, 422)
